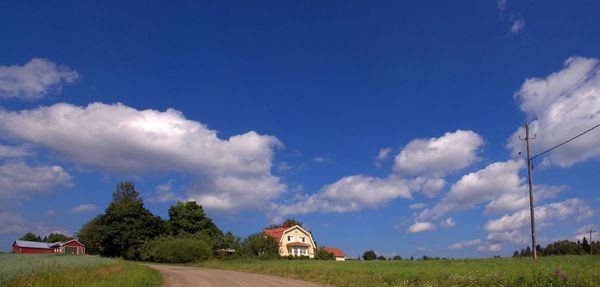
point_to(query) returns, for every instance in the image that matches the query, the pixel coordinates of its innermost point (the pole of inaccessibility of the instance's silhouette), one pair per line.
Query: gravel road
(183, 276)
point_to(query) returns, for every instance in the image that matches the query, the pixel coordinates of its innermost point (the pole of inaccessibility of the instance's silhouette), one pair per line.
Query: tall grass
(548, 271)
(67, 270)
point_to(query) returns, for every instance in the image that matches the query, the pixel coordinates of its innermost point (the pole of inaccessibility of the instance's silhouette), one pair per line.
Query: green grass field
(68, 270)
(575, 271)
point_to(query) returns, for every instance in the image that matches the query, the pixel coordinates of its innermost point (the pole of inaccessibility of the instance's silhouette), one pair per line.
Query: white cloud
(422, 249)
(419, 205)
(421, 227)
(484, 185)
(120, 138)
(584, 232)
(13, 151)
(164, 192)
(35, 79)
(464, 244)
(51, 212)
(12, 224)
(509, 227)
(501, 5)
(439, 156)
(562, 105)
(490, 247)
(19, 180)
(82, 208)
(382, 155)
(448, 223)
(518, 23)
(321, 159)
(350, 193)
(429, 187)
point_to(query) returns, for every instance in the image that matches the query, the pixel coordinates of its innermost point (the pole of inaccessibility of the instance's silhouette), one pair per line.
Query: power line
(565, 142)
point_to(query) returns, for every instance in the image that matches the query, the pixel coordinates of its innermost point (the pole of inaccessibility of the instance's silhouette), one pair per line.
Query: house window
(303, 239)
(290, 238)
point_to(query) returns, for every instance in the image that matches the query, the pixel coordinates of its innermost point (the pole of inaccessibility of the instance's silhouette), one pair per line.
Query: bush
(322, 254)
(175, 250)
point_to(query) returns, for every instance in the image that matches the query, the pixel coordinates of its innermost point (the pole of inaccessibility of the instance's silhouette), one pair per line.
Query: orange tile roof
(275, 232)
(336, 251)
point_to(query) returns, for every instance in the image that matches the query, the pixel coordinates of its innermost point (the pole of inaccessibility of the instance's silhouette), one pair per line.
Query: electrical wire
(565, 142)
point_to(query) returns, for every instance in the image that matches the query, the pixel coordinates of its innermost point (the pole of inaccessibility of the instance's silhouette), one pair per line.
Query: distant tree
(381, 257)
(260, 245)
(289, 222)
(231, 241)
(585, 245)
(369, 255)
(125, 225)
(412, 258)
(397, 257)
(516, 254)
(189, 218)
(57, 237)
(90, 235)
(30, 237)
(322, 254)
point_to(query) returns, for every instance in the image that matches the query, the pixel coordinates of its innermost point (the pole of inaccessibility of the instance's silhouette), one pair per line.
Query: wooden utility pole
(591, 246)
(529, 167)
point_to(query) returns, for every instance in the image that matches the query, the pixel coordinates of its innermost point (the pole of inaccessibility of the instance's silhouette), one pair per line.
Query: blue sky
(388, 126)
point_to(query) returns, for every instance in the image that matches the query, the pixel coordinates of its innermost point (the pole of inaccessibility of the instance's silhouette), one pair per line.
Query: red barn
(31, 247)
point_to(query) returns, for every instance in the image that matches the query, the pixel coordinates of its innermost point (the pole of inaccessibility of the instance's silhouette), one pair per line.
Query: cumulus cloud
(421, 227)
(13, 151)
(12, 224)
(464, 244)
(164, 192)
(419, 205)
(508, 227)
(83, 208)
(490, 247)
(448, 223)
(562, 105)
(429, 187)
(439, 156)
(35, 79)
(518, 23)
(350, 193)
(20, 180)
(382, 155)
(120, 138)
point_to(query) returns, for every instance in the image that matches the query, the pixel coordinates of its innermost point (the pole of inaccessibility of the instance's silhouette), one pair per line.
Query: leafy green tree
(90, 236)
(397, 257)
(124, 227)
(231, 241)
(57, 237)
(261, 245)
(30, 237)
(369, 255)
(291, 222)
(381, 257)
(189, 218)
(322, 254)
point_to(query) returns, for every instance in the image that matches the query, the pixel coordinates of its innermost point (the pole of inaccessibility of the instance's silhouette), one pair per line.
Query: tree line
(562, 247)
(51, 238)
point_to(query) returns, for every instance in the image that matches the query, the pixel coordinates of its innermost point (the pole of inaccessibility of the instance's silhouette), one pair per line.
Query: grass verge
(548, 271)
(64, 270)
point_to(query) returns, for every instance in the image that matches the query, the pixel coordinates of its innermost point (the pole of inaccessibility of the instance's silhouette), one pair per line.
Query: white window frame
(290, 237)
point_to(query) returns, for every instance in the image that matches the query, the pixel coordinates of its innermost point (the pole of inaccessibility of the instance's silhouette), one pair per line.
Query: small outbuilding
(338, 253)
(31, 247)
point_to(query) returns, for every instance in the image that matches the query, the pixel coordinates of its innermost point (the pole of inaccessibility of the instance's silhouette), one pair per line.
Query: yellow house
(294, 240)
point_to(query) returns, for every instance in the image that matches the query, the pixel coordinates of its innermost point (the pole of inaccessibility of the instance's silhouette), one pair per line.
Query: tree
(125, 225)
(516, 253)
(585, 245)
(397, 257)
(369, 255)
(30, 237)
(323, 254)
(261, 245)
(90, 236)
(57, 237)
(189, 218)
(289, 222)
(381, 257)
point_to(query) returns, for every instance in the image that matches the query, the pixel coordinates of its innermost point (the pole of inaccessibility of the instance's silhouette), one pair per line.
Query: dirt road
(183, 276)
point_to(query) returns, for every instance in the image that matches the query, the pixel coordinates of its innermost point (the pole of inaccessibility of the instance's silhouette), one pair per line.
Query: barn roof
(33, 244)
(336, 251)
